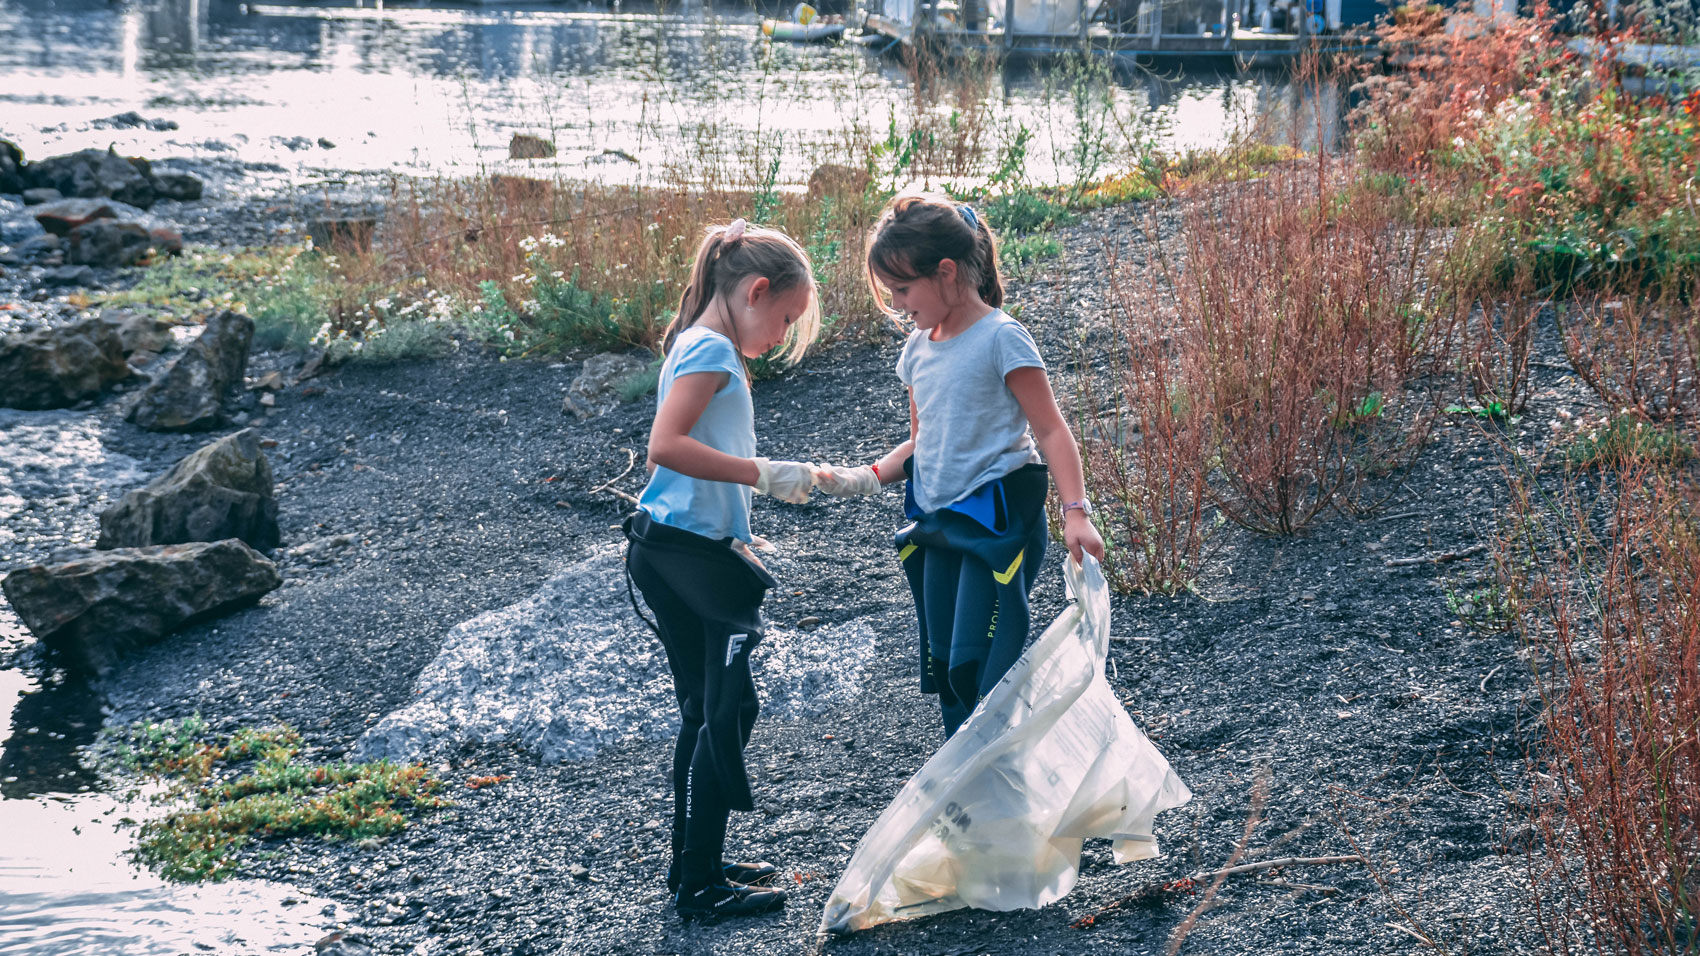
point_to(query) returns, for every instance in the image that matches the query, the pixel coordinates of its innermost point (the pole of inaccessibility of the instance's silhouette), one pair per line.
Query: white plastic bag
(995, 820)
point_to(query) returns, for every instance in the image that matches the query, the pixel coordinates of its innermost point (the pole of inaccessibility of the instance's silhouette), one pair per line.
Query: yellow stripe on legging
(904, 554)
(1010, 571)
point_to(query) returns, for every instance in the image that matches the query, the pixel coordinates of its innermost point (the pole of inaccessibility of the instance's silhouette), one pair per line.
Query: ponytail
(917, 232)
(731, 253)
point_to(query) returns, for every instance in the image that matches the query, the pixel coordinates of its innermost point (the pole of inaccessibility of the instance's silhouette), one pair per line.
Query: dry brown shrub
(1608, 584)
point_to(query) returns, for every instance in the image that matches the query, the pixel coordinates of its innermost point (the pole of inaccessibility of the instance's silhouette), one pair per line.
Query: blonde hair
(917, 231)
(731, 253)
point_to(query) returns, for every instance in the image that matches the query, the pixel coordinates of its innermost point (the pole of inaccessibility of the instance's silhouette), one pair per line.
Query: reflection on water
(373, 86)
(67, 887)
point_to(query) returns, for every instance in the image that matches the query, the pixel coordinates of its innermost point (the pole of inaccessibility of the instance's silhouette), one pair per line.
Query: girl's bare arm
(1032, 392)
(670, 442)
(890, 468)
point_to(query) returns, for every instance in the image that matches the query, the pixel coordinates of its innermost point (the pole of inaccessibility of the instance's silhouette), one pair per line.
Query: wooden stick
(1402, 514)
(1276, 864)
(1301, 887)
(1440, 558)
(631, 462)
(1490, 677)
(1406, 929)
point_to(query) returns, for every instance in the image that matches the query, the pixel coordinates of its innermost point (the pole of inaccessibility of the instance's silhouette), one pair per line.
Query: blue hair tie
(968, 216)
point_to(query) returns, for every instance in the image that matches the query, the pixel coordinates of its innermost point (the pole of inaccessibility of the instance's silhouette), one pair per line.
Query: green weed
(250, 786)
(1627, 441)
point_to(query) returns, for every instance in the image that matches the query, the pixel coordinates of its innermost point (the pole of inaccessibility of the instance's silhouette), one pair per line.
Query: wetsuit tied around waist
(970, 567)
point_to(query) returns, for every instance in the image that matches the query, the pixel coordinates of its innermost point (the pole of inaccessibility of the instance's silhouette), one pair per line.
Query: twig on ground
(1402, 514)
(631, 462)
(1401, 927)
(1440, 558)
(1282, 863)
(1497, 668)
(1281, 884)
(1259, 795)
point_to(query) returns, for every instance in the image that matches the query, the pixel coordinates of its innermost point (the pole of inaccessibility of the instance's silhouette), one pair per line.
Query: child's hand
(1079, 534)
(786, 480)
(843, 482)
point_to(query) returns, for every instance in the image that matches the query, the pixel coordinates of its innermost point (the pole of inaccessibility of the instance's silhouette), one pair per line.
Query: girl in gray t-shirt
(983, 423)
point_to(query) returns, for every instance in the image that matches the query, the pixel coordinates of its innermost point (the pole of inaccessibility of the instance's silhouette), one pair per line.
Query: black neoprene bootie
(747, 874)
(727, 899)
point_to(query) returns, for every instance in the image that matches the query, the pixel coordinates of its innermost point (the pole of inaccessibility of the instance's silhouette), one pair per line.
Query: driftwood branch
(1191, 883)
(1440, 558)
(608, 486)
(1282, 863)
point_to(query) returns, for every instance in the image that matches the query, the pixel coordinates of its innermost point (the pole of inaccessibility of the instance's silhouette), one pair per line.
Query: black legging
(707, 601)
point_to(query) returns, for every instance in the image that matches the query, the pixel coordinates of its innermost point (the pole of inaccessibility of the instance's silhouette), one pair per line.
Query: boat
(812, 32)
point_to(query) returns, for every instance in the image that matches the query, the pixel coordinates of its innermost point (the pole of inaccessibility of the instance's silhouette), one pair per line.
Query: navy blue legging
(974, 620)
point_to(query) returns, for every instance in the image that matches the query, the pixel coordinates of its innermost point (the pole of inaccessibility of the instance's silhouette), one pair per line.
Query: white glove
(786, 480)
(843, 482)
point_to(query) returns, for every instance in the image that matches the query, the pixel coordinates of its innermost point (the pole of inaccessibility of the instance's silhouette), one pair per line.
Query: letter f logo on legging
(734, 644)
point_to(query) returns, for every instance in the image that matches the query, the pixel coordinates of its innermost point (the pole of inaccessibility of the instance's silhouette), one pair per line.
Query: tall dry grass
(1607, 580)
(1292, 298)
(1144, 442)
(1640, 353)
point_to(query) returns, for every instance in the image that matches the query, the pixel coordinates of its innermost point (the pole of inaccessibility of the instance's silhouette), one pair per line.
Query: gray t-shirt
(972, 429)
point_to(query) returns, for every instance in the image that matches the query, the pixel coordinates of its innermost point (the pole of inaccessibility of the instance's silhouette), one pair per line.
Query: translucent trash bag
(996, 819)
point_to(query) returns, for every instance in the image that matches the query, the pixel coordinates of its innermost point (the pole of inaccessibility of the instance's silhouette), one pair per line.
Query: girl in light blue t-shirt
(750, 291)
(984, 425)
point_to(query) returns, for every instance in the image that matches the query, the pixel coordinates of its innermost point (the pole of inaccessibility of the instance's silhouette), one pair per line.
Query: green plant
(1487, 609)
(1022, 252)
(1626, 441)
(766, 199)
(249, 786)
(1024, 212)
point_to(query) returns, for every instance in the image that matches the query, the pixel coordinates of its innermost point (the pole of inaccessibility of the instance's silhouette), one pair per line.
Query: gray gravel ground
(1379, 722)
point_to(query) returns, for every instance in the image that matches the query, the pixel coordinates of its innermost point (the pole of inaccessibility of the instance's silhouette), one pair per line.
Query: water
(368, 85)
(66, 885)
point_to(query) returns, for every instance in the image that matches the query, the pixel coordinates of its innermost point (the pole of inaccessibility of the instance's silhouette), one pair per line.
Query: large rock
(91, 173)
(11, 167)
(96, 608)
(347, 235)
(570, 670)
(109, 244)
(63, 216)
(597, 388)
(190, 395)
(223, 490)
(182, 187)
(53, 368)
(525, 146)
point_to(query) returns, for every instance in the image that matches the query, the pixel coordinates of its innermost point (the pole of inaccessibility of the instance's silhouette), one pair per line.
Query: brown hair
(722, 263)
(917, 231)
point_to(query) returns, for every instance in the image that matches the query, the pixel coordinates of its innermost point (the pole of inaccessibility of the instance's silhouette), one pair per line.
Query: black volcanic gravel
(1380, 722)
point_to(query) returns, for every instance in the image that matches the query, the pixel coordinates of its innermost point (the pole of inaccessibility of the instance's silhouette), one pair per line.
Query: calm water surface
(441, 88)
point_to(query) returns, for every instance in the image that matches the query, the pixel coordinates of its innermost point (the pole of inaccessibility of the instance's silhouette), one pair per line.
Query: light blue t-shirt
(972, 429)
(714, 509)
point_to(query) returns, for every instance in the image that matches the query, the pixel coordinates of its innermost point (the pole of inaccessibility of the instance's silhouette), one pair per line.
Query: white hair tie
(734, 231)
